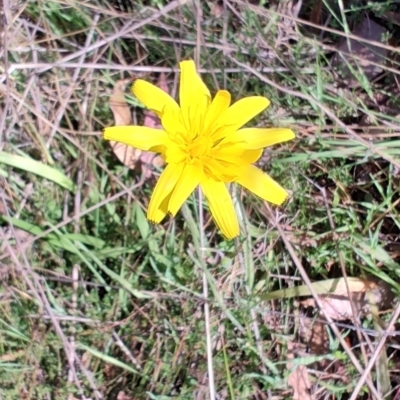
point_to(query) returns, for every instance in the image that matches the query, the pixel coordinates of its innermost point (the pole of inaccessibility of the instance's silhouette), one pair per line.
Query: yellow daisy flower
(202, 144)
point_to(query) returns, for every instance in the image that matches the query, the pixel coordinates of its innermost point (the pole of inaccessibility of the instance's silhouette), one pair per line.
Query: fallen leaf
(122, 396)
(298, 379)
(129, 156)
(338, 307)
(373, 294)
(122, 116)
(118, 104)
(300, 383)
(152, 121)
(364, 292)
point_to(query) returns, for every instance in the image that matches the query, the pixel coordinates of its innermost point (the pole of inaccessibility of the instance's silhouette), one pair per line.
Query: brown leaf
(151, 120)
(162, 83)
(118, 104)
(373, 293)
(122, 396)
(300, 383)
(128, 155)
(298, 378)
(122, 116)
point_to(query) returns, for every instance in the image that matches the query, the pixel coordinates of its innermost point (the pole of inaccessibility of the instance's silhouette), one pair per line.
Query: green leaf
(64, 241)
(110, 360)
(37, 168)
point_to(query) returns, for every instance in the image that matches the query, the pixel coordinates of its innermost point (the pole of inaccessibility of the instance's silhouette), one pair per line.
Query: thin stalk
(210, 368)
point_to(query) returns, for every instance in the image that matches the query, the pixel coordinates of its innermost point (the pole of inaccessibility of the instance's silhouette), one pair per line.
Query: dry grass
(96, 303)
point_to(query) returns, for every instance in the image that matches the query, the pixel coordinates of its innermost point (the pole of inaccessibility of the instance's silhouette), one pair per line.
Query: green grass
(95, 300)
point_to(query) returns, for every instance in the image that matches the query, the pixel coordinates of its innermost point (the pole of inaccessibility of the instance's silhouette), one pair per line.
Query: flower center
(198, 148)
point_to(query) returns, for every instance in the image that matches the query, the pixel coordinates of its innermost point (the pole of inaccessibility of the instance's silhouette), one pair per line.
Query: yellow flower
(202, 144)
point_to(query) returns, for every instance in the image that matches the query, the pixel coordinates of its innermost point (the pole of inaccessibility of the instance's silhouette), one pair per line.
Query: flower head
(202, 144)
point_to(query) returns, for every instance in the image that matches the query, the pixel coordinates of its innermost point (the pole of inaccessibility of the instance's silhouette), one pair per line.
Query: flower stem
(206, 303)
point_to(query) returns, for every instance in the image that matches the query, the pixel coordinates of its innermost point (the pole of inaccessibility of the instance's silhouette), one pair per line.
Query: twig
(379, 348)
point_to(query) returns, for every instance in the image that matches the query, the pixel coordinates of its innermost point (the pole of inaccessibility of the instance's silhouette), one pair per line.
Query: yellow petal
(261, 184)
(194, 97)
(258, 138)
(140, 137)
(250, 156)
(188, 181)
(235, 153)
(153, 97)
(229, 153)
(221, 207)
(221, 170)
(171, 121)
(158, 207)
(218, 107)
(240, 113)
(174, 153)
